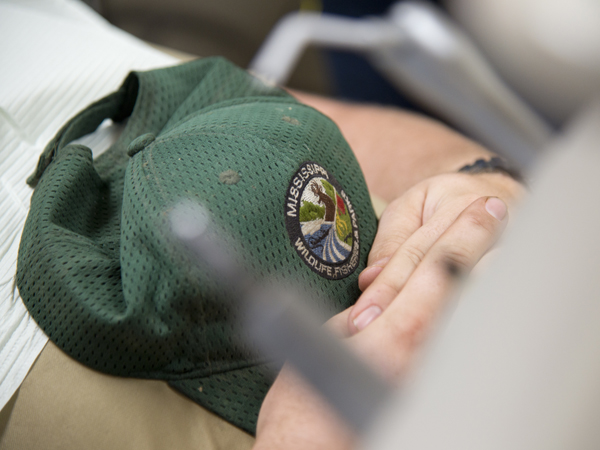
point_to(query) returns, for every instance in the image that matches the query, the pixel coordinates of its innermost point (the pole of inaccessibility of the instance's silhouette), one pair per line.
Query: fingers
(338, 324)
(412, 224)
(400, 220)
(402, 242)
(415, 272)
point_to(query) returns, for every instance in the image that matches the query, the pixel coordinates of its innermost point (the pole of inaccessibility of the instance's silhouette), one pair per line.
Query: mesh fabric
(98, 269)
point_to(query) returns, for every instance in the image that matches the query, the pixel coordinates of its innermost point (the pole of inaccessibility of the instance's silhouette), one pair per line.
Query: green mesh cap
(98, 269)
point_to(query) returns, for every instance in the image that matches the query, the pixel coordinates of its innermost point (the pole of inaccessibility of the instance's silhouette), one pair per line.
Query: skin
(396, 149)
(438, 223)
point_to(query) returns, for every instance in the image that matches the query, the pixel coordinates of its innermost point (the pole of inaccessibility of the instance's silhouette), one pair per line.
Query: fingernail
(367, 316)
(496, 207)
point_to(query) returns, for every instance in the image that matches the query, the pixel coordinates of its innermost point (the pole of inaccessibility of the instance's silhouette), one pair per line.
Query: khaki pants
(64, 405)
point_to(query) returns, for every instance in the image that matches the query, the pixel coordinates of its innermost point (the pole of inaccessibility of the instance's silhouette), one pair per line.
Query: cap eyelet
(140, 143)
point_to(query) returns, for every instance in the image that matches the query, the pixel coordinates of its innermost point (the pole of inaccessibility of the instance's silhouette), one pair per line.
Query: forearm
(396, 149)
(315, 425)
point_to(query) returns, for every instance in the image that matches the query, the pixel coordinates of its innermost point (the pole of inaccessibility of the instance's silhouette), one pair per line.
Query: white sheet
(56, 57)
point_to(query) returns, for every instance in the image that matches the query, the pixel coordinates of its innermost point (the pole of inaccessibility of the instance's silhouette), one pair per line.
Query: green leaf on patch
(309, 212)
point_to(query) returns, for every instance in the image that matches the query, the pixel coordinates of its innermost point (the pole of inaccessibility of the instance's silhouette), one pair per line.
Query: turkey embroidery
(321, 222)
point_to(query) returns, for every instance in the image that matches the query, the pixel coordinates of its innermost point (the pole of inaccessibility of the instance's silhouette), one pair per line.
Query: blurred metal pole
(282, 326)
(422, 52)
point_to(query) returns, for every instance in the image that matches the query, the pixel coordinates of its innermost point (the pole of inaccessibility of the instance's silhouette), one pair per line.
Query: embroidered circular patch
(321, 222)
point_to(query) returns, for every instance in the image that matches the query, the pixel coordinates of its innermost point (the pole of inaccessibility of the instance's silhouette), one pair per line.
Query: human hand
(411, 226)
(292, 416)
(443, 217)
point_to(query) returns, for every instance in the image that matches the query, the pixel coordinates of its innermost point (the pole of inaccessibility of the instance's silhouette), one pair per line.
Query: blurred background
(231, 28)
(540, 48)
(236, 29)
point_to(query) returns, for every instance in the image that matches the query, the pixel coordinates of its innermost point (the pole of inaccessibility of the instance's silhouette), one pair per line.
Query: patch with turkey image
(321, 222)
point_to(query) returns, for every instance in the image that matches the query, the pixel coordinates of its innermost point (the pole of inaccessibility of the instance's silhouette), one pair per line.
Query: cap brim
(235, 395)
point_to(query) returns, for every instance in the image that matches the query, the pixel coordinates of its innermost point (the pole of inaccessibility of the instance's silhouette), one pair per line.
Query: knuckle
(411, 330)
(386, 247)
(391, 211)
(414, 254)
